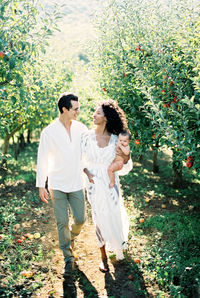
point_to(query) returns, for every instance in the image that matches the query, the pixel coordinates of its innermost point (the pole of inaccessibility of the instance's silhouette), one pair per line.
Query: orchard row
(30, 80)
(147, 58)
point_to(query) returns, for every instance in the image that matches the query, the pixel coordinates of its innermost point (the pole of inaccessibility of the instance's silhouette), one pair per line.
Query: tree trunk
(155, 158)
(29, 136)
(141, 158)
(5, 150)
(15, 149)
(6, 144)
(177, 178)
(21, 142)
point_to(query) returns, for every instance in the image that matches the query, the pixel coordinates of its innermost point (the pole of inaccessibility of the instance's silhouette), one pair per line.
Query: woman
(108, 211)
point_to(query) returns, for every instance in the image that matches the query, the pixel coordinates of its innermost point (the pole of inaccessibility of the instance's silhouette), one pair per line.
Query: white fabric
(59, 158)
(108, 211)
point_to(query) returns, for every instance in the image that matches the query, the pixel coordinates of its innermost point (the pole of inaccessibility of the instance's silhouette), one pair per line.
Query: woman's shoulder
(88, 134)
(114, 138)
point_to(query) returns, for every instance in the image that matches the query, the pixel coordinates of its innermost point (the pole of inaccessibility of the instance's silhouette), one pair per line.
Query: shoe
(69, 267)
(103, 266)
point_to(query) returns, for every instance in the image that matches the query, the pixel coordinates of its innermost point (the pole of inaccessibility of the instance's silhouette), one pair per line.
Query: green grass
(18, 211)
(171, 256)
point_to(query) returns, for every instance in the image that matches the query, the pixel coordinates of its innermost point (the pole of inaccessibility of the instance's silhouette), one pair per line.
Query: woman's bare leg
(103, 253)
(103, 265)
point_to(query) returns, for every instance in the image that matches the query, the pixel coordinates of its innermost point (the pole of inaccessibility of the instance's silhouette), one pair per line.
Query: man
(59, 159)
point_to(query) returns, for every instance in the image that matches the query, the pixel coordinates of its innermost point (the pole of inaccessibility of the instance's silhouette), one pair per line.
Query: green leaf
(13, 98)
(12, 62)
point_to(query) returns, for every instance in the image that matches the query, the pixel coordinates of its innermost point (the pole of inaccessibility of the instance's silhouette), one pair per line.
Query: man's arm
(43, 194)
(42, 166)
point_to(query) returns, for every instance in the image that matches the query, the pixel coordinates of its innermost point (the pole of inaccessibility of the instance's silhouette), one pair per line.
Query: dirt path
(88, 281)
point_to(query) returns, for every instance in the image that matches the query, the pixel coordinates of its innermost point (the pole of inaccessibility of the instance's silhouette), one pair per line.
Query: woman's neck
(101, 130)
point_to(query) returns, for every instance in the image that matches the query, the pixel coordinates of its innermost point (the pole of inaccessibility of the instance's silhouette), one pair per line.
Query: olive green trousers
(62, 202)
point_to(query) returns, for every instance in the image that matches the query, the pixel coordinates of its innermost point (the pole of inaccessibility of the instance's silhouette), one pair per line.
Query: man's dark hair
(65, 101)
(126, 133)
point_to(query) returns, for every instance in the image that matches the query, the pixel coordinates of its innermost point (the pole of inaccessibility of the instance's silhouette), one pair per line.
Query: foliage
(173, 235)
(29, 81)
(147, 58)
(170, 226)
(175, 253)
(19, 214)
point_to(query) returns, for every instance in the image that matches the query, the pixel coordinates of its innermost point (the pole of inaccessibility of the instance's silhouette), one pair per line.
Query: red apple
(27, 274)
(2, 55)
(130, 277)
(175, 99)
(19, 240)
(189, 164)
(137, 142)
(104, 89)
(137, 261)
(190, 158)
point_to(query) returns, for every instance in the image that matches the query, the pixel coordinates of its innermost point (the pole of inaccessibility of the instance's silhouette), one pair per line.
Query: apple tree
(146, 57)
(24, 32)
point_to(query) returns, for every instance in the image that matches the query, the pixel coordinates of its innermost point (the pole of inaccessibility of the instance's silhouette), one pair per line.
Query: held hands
(90, 178)
(43, 195)
(89, 175)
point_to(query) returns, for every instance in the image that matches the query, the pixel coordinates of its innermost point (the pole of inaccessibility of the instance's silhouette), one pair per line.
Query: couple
(66, 148)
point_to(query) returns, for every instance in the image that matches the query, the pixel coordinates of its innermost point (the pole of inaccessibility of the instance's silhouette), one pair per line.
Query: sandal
(103, 266)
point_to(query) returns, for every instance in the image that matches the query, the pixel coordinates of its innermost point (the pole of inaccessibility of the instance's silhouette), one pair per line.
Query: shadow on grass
(127, 280)
(69, 285)
(69, 288)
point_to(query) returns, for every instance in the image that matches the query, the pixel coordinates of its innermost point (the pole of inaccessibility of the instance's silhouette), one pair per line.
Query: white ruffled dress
(108, 211)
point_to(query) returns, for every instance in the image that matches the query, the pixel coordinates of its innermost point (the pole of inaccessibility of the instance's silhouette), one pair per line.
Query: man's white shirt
(59, 157)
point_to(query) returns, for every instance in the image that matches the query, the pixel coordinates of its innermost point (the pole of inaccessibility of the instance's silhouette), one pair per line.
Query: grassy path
(164, 241)
(88, 281)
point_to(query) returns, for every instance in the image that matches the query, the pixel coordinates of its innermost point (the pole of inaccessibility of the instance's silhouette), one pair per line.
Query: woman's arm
(89, 175)
(126, 168)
